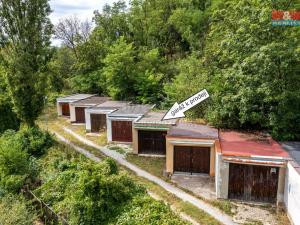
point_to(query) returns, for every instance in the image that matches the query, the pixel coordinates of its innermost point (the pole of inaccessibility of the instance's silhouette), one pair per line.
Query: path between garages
(217, 214)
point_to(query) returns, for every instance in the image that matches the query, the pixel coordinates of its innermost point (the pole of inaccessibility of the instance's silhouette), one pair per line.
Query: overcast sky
(83, 9)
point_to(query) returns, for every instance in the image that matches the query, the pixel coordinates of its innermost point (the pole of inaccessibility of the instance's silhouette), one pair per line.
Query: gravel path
(217, 214)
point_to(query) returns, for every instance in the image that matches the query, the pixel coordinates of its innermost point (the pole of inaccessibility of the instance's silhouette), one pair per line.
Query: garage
(253, 183)
(80, 115)
(122, 131)
(65, 108)
(98, 122)
(190, 159)
(152, 142)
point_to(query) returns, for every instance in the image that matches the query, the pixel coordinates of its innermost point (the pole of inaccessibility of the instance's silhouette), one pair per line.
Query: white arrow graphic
(177, 110)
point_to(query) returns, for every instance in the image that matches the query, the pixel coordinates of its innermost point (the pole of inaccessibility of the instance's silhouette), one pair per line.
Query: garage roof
(92, 101)
(112, 104)
(250, 145)
(73, 98)
(194, 131)
(132, 110)
(155, 118)
(293, 149)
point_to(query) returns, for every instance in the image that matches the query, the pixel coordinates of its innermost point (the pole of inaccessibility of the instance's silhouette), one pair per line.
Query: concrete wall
(135, 141)
(171, 142)
(222, 177)
(72, 113)
(292, 193)
(59, 109)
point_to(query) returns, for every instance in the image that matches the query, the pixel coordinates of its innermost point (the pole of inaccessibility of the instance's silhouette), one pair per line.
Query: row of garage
(245, 167)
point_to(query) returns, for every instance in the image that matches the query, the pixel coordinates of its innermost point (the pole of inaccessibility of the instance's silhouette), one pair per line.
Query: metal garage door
(121, 131)
(79, 113)
(191, 159)
(152, 142)
(253, 183)
(98, 122)
(65, 109)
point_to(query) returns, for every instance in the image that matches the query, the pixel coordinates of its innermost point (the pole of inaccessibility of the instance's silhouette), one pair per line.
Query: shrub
(16, 166)
(14, 211)
(35, 141)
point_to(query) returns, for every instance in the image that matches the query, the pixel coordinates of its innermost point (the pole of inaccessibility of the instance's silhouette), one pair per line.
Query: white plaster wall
(292, 194)
(59, 109)
(72, 113)
(87, 119)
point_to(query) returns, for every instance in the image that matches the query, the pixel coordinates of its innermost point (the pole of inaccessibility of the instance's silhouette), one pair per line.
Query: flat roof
(156, 118)
(193, 131)
(112, 104)
(132, 110)
(92, 101)
(293, 148)
(246, 144)
(72, 98)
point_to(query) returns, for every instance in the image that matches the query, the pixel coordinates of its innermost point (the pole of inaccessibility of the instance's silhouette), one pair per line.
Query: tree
(72, 32)
(255, 69)
(119, 71)
(26, 29)
(8, 119)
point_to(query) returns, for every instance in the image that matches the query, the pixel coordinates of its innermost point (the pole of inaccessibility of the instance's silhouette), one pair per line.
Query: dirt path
(217, 214)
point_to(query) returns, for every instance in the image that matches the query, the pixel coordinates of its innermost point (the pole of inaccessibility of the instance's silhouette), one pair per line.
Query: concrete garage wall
(59, 109)
(222, 177)
(72, 113)
(292, 193)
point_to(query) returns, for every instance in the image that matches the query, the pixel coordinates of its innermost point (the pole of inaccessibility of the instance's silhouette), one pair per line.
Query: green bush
(17, 167)
(14, 211)
(90, 194)
(35, 141)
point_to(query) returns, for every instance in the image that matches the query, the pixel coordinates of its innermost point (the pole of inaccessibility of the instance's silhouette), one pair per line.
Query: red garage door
(79, 113)
(253, 183)
(191, 159)
(121, 131)
(65, 109)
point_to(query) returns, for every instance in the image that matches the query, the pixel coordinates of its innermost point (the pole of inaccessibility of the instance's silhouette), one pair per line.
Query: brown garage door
(191, 159)
(152, 142)
(98, 122)
(65, 109)
(79, 113)
(122, 131)
(253, 183)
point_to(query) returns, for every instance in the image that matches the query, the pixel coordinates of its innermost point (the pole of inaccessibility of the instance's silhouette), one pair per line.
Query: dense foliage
(15, 211)
(163, 51)
(8, 119)
(88, 193)
(18, 166)
(25, 32)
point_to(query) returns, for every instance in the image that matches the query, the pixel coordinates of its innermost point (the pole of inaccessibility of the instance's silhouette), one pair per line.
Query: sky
(83, 9)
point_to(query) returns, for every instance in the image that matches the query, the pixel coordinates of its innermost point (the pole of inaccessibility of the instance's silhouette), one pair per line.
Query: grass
(153, 165)
(224, 205)
(117, 149)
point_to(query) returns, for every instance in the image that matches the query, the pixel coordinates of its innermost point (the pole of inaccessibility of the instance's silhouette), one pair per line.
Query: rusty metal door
(121, 131)
(98, 122)
(152, 142)
(253, 183)
(191, 159)
(65, 109)
(79, 113)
